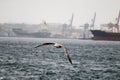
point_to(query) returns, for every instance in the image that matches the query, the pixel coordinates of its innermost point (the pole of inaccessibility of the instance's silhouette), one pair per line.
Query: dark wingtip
(35, 47)
(70, 60)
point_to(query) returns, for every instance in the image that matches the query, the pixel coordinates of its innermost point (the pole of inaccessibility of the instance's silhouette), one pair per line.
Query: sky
(58, 11)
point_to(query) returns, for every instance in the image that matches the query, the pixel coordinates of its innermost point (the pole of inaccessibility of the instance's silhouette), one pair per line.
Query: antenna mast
(93, 20)
(71, 21)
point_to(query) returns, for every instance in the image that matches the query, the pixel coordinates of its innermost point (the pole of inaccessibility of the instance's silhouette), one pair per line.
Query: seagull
(57, 45)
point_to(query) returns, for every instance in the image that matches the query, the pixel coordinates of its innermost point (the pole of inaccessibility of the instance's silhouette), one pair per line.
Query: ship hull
(102, 35)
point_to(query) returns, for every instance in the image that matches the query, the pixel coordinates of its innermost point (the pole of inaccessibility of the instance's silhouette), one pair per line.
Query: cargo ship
(112, 35)
(103, 35)
(21, 33)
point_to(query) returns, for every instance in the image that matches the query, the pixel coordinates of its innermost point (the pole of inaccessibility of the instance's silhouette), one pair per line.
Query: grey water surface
(92, 60)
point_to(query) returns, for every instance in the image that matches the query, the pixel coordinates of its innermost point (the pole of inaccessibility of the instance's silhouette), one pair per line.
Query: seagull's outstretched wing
(45, 44)
(58, 46)
(67, 54)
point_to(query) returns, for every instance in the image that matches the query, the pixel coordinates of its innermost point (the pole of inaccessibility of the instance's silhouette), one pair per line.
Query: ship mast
(93, 20)
(117, 24)
(71, 21)
(118, 18)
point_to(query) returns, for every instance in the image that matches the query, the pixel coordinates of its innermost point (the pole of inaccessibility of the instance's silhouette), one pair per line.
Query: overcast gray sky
(58, 11)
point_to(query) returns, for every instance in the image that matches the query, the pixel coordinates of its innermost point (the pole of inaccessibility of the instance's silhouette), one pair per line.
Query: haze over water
(58, 11)
(92, 60)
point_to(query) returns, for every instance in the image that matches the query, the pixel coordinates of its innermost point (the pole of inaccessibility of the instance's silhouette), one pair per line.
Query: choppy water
(92, 60)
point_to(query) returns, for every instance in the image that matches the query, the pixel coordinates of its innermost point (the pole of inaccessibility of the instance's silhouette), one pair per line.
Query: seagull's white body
(57, 45)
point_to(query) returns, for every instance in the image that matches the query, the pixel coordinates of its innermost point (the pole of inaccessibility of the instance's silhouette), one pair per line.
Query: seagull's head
(57, 45)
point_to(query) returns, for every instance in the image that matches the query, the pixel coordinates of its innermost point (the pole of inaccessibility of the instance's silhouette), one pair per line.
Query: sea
(92, 60)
